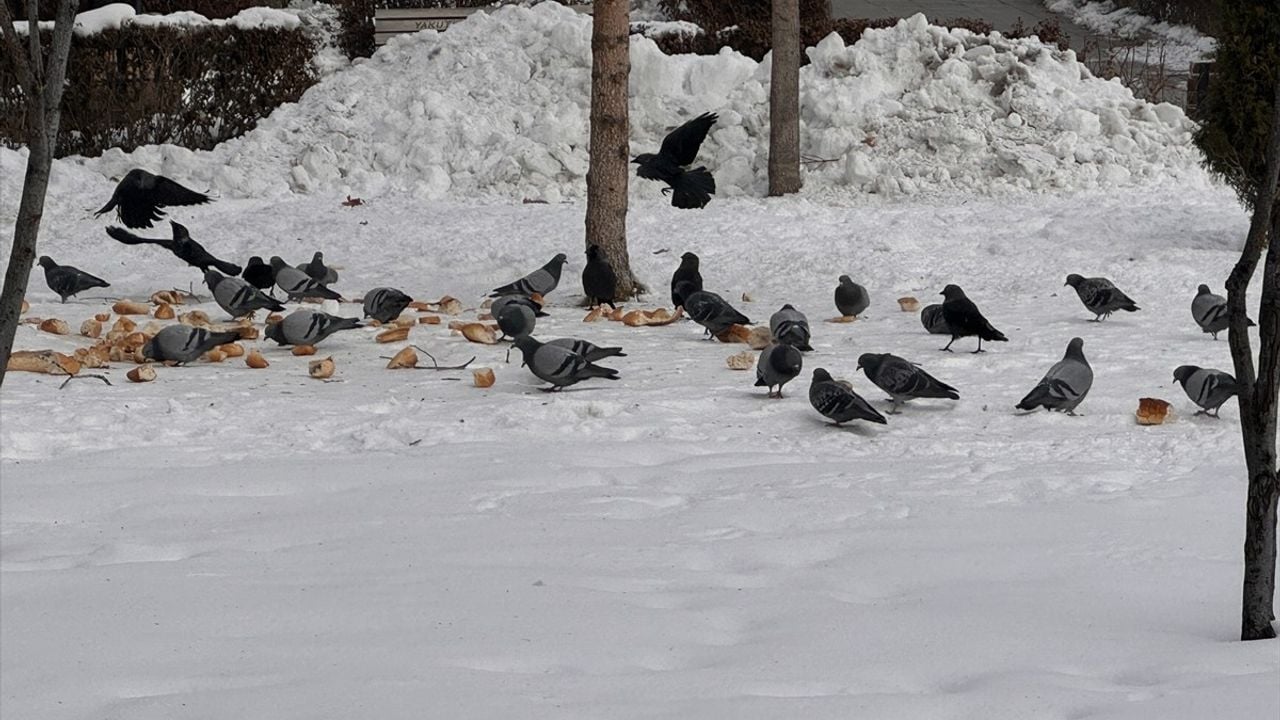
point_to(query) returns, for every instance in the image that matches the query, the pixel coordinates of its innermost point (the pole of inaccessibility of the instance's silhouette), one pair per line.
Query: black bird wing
(128, 238)
(682, 143)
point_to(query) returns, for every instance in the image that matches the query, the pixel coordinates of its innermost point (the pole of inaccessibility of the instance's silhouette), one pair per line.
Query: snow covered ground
(1175, 45)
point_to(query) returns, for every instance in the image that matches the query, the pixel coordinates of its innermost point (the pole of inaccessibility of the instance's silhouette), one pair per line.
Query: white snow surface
(227, 542)
(1177, 45)
(117, 15)
(497, 107)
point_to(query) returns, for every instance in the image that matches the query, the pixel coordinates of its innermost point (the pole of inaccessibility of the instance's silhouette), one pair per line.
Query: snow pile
(1177, 45)
(118, 15)
(498, 106)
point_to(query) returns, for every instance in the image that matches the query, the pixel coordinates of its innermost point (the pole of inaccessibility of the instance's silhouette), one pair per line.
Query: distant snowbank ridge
(497, 107)
(117, 15)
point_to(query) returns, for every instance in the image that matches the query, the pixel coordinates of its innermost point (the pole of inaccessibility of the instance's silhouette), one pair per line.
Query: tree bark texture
(784, 100)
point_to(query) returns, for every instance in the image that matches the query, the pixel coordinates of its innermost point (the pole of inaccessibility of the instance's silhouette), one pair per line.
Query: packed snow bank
(118, 15)
(498, 106)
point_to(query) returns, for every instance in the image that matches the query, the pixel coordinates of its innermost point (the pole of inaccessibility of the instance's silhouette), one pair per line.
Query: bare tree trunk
(42, 85)
(784, 100)
(1258, 396)
(608, 171)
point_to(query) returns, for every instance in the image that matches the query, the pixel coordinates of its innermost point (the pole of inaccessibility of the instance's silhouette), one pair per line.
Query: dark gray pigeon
(1206, 387)
(139, 196)
(237, 297)
(777, 365)
(297, 285)
(318, 271)
(541, 281)
(516, 320)
(710, 310)
(1100, 296)
(1065, 385)
(902, 379)
(587, 350)
(66, 280)
(789, 326)
(385, 304)
(851, 298)
(184, 343)
(965, 320)
(1210, 312)
(838, 402)
(559, 365)
(308, 327)
(932, 319)
(495, 308)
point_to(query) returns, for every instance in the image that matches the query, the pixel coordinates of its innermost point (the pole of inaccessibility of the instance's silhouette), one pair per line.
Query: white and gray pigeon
(385, 304)
(308, 327)
(777, 365)
(1206, 387)
(66, 280)
(1065, 385)
(559, 365)
(541, 281)
(318, 271)
(932, 319)
(851, 298)
(903, 379)
(184, 343)
(237, 297)
(790, 327)
(1100, 296)
(586, 349)
(1210, 312)
(838, 402)
(296, 284)
(709, 310)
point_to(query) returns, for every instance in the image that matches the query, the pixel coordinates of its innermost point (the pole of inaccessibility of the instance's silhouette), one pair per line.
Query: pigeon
(184, 343)
(837, 401)
(237, 297)
(789, 326)
(851, 298)
(318, 271)
(541, 281)
(259, 274)
(686, 273)
(599, 282)
(308, 327)
(516, 320)
(139, 196)
(385, 304)
(182, 246)
(495, 308)
(66, 280)
(296, 284)
(1065, 385)
(1100, 297)
(1206, 387)
(902, 379)
(778, 365)
(709, 309)
(933, 321)
(1210, 312)
(559, 365)
(689, 188)
(964, 319)
(587, 350)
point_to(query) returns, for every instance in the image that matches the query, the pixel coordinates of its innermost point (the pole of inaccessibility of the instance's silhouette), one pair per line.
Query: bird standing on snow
(789, 326)
(139, 196)
(259, 274)
(296, 284)
(1210, 312)
(933, 321)
(495, 308)
(689, 188)
(308, 327)
(1100, 296)
(686, 273)
(237, 297)
(559, 365)
(182, 246)
(587, 350)
(1206, 387)
(710, 310)
(837, 401)
(777, 365)
(385, 304)
(965, 320)
(1065, 385)
(599, 282)
(66, 280)
(851, 298)
(183, 343)
(318, 271)
(541, 281)
(902, 379)
(516, 320)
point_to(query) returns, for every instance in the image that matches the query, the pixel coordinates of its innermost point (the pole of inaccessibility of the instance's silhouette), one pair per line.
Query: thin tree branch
(13, 48)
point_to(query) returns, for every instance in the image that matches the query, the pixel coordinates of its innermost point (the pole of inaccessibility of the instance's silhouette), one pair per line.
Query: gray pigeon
(837, 401)
(66, 280)
(318, 271)
(297, 285)
(495, 308)
(559, 365)
(237, 297)
(541, 281)
(183, 343)
(385, 304)
(1206, 387)
(516, 320)
(932, 319)
(851, 298)
(902, 379)
(790, 327)
(778, 365)
(1100, 296)
(308, 327)
(1065, 385)
(587, 350)
(709, 309)
(1210, 312)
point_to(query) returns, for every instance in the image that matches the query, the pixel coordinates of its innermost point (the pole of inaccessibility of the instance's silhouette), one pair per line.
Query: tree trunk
(784, 100)
(609, 168)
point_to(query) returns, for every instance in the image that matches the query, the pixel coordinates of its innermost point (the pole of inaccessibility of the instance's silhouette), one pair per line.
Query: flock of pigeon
(140, 197)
